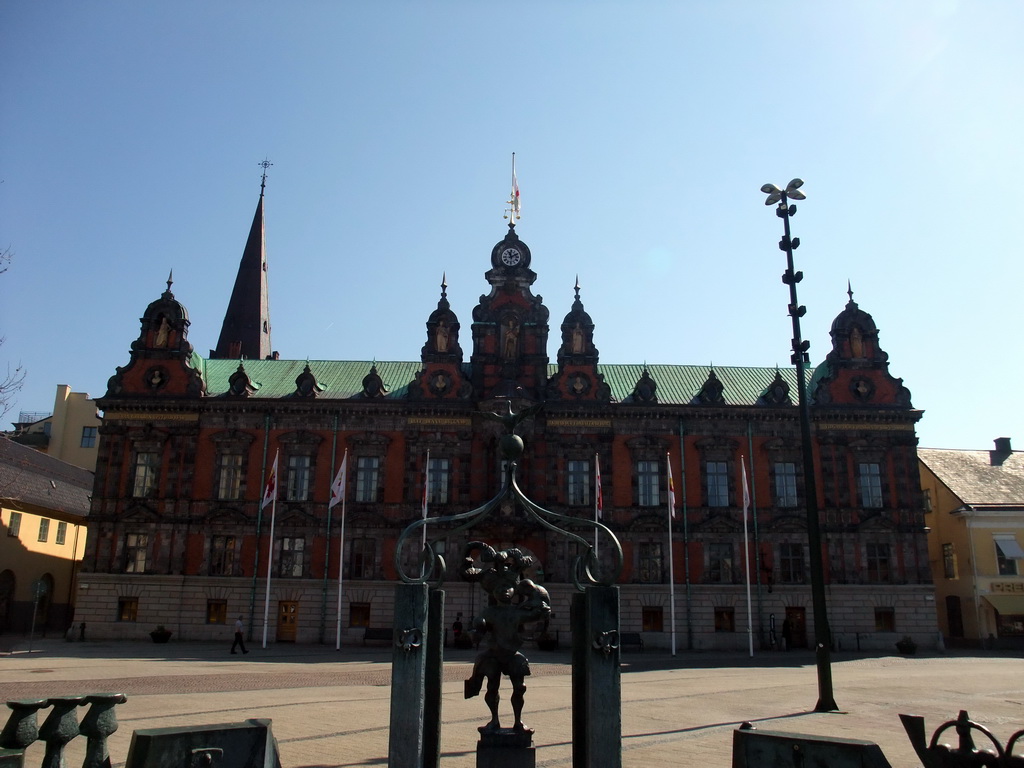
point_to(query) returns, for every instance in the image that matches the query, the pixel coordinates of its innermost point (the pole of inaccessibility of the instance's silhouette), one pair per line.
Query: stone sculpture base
(506, 748)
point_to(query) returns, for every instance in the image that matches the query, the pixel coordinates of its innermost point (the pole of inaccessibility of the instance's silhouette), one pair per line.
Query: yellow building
(976, 514)
(70, 433)
(44, 503)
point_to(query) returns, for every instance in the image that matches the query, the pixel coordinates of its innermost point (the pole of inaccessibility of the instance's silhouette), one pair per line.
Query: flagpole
(270, 562)
(426, 501)
(671, 559)
(746, 557)
(341, 546)
(597, 497)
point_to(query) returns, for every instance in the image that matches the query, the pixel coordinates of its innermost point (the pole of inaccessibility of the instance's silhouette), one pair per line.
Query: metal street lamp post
(822, 635)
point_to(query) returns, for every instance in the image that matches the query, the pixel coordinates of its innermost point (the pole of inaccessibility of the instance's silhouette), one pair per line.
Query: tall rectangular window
(785, 484)
(127, 609)
(361, 560)
(144, 476)
(720, 563)
(878, 562)
(62, 532)
(292, 560)
(948, 561)
(1008, 551)
(359, 614)
(652, 618)
(648, 483)
(725, 619)
(869, 485)
(44, 529)
(14, 524)
(437, 481)
(89, 437)
(222, 556)
(651, 570)
(135, 546)
(216, 611)
(367, 474)
(791, 563)
(885, 619)
(229, 476)
(298, 478)
(578, 492)
(718, 483)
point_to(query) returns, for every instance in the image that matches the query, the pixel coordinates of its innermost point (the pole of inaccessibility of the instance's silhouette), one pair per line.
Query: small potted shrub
(906, 646)
(161, 634)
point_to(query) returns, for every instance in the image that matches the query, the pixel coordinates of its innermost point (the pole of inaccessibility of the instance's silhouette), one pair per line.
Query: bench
(632, 639)
(378, 635)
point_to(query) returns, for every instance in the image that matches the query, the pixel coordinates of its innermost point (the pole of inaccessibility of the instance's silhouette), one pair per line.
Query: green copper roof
(342, 379)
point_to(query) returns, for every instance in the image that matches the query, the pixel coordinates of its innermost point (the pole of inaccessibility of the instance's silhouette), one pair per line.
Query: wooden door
(287, 620)
(797, 618)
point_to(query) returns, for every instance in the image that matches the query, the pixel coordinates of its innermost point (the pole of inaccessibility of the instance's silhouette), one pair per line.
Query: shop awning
(1007, 605)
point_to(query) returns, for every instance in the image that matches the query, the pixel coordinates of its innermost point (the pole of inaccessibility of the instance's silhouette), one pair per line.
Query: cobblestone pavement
(331, 708)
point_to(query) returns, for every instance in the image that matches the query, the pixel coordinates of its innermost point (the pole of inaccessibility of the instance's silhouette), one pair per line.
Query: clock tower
(510, 327)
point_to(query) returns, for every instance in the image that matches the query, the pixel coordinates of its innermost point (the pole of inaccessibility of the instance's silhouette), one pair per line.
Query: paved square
(331, 708)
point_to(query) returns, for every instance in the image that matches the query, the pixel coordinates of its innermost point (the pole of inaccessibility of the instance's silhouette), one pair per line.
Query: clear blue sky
(131, 132)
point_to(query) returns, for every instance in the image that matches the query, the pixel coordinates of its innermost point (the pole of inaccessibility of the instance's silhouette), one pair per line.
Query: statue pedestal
(506, 748)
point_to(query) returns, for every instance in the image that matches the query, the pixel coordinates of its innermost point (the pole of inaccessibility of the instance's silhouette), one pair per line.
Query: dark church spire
(246, 329)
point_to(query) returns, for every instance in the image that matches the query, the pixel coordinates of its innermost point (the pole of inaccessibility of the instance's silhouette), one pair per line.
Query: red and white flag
(746, 493)
(598, 495)
(338, 487)
(271, 492)
(426, 486)
(671, 486)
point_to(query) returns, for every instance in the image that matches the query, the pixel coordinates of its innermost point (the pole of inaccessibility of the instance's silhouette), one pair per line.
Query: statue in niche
(510, 339)
(442, 336)
(577, 340)
(856, 343)
(163, 333)
(512, 602)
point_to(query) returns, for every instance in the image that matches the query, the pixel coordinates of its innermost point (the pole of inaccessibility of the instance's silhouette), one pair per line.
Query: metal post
(822, 635)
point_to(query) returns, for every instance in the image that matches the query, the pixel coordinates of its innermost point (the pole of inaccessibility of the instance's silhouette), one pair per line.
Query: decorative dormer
(373, 384)
(856, 371)
(441, 376)
(711, 393)
(306, 384)
(776, 393)
(240, 385)
(646, 389)
(161, 357)
(510, 327)
(577, 377)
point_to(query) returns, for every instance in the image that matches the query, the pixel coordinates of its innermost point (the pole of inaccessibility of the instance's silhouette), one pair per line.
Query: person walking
(239, 640)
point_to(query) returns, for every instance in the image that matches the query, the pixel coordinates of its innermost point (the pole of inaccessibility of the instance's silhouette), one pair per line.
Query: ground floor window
(216, 611)
(885, 619)
(653, 619)
(127, 609)
(725, 619)
(1010, 625)
(359, 614)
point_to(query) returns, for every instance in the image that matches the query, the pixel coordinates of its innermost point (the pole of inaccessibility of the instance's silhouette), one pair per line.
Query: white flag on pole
(271, 492)
(338, 487)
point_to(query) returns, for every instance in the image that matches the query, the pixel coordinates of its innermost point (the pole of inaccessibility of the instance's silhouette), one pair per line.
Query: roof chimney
(1002, 451)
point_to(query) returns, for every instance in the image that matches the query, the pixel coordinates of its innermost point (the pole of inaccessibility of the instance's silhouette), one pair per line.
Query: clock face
(511, 256)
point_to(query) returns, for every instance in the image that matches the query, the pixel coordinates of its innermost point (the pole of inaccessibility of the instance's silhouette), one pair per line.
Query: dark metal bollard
(99, 722)
(22, 729)
(60, 727)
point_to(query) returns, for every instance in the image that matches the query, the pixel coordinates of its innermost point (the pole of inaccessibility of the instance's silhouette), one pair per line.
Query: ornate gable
(161, 357)
(577, 377)
(856, 371)
(510, 327)
(441, 376)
